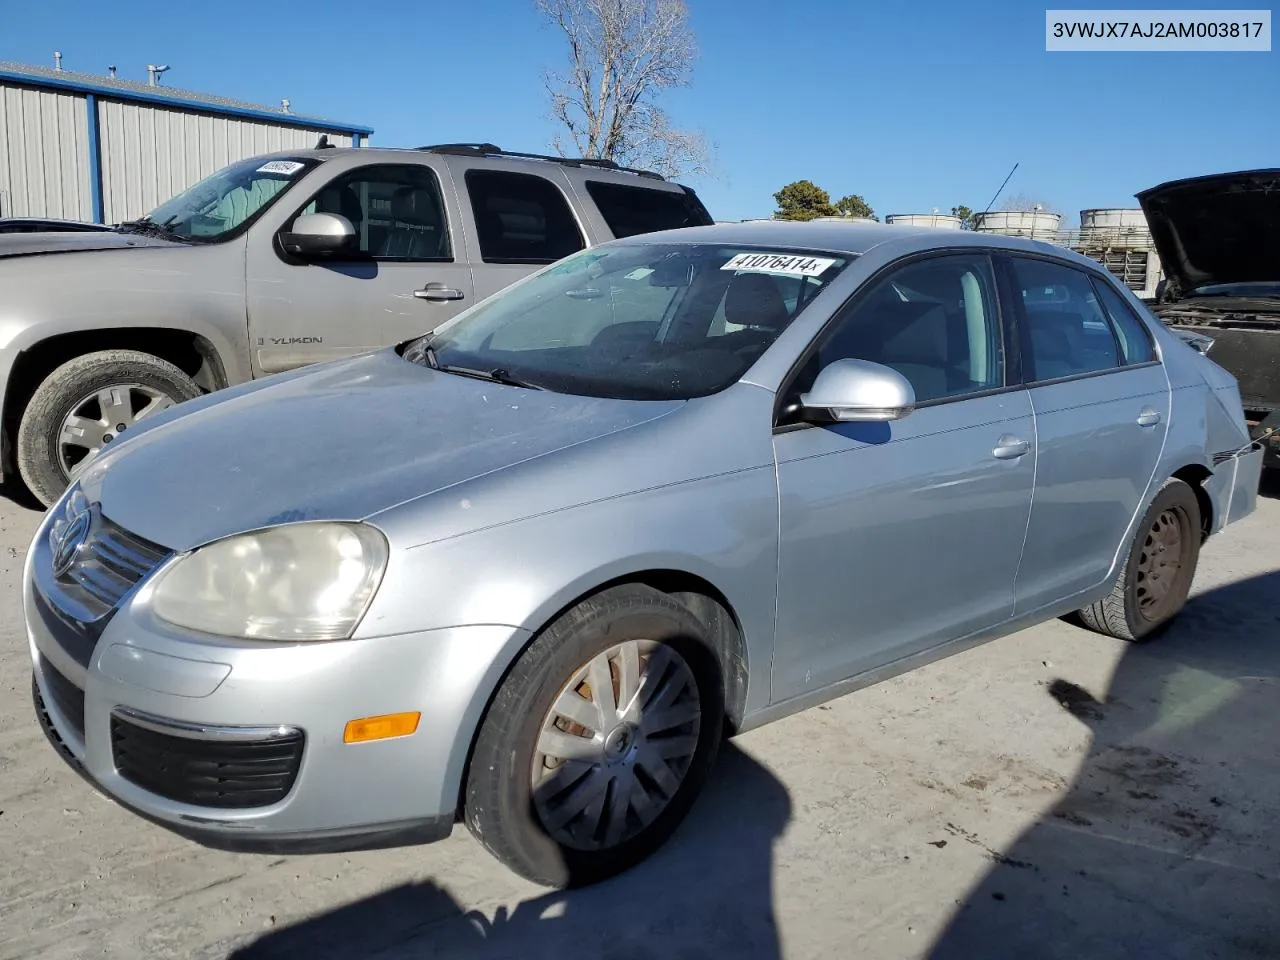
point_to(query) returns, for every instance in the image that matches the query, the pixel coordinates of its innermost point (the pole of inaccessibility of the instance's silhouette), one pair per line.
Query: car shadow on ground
(1165, 846)
(706, 894)
(13, 490)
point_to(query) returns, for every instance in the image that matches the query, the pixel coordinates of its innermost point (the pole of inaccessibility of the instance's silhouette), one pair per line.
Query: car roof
(588, 169)
(854, 238)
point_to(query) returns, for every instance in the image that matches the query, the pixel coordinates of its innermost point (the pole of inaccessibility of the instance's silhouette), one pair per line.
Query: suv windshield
(647, 321)
(225, 201)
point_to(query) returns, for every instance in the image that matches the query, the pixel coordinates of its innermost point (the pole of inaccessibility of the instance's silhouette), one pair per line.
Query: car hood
(342, 441)
(1216, 229)
(29, 244)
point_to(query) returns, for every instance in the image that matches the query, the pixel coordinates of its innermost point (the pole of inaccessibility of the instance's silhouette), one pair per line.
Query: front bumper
(340, 796)
(345, 840)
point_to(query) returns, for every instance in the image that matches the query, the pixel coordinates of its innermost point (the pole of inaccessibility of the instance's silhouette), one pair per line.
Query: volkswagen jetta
(525, 572)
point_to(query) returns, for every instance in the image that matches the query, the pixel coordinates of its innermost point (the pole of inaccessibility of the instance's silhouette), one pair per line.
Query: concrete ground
(1052, 794)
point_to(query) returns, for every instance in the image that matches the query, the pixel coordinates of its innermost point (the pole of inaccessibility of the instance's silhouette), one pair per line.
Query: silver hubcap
(616, 744)
(96, 420)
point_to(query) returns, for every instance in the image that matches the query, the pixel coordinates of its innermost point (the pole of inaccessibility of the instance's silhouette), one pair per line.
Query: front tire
(83, 405)
(598, 741)
(1156, 578)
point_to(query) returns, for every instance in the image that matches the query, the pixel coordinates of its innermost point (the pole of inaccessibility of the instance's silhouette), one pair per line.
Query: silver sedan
(527, 571)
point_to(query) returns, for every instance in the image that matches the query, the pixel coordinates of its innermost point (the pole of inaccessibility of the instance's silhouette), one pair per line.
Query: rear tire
(139, 384)
(1156, 577)
(637, 775)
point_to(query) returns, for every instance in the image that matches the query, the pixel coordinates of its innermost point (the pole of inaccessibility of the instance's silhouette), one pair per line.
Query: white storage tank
(1115, 227)
(943, 221)
(1019, 223)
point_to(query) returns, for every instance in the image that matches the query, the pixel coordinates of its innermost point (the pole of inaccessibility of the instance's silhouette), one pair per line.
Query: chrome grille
(108, 565)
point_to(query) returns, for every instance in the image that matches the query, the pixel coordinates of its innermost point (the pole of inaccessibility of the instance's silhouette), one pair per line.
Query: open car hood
(1223, 228)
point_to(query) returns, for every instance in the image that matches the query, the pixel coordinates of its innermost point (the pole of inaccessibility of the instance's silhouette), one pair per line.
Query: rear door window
(521, 218)
(1066, 332)
(629, 210)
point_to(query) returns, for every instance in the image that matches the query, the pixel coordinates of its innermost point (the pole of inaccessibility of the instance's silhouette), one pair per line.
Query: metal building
(80, 147)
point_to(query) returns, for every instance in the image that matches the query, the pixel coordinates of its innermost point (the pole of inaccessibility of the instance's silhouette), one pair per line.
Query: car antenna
(323, 143)
(1001, 190)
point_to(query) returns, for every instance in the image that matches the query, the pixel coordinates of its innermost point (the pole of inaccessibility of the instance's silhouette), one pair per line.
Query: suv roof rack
(493, 150)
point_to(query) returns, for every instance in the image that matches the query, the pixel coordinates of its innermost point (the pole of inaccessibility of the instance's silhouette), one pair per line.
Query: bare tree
(622, 55)
(1025, 203)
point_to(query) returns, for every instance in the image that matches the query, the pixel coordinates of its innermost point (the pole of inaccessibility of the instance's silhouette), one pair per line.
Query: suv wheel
(598, 741)
(83, 406)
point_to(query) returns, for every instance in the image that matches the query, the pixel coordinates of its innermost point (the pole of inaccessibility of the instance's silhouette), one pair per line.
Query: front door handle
(1010, 447)
(1148, 417)
(438, 292)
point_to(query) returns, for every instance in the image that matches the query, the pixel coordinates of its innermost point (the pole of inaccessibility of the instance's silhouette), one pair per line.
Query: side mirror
(858, 390)
(319, 235)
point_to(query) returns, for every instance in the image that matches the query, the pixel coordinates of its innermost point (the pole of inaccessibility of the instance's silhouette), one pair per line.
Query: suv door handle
(1149, 417)
(438, 292)
(1010, 447)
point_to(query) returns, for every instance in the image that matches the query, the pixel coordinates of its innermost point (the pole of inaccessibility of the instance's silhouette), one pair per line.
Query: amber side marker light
(381, 728)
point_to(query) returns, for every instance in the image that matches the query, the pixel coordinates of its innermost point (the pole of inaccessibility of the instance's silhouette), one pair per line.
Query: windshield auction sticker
(1158, 30)
(286, 167)
(788, 265)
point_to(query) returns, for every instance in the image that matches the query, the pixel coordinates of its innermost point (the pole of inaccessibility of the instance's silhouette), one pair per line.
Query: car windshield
(652, 321)
(1264, 289)
(223, 202)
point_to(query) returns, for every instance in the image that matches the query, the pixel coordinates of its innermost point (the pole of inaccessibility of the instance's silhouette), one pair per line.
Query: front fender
(720, 529)
(193, 289)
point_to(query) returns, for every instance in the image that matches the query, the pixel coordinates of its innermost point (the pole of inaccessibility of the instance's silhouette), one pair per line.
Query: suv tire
(137, 384)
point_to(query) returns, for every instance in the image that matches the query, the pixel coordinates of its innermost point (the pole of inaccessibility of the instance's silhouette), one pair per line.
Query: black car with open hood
(1218, 238)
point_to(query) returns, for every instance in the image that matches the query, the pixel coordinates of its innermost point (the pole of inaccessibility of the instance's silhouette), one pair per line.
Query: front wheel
(85, 405)
(1156, 578)
(598, 741)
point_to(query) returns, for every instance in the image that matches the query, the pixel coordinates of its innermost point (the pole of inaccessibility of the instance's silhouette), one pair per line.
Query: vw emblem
(66, 540)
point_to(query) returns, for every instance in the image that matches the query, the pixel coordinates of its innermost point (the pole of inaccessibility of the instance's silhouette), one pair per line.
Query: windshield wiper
(423, 353)
(147, 225)
(498, 375)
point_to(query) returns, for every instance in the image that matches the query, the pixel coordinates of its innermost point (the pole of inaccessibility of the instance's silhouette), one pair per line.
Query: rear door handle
(1010, 447)
(1148, 417)
(438, 292)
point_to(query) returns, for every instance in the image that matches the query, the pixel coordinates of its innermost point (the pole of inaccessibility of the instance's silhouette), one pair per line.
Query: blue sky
(913, 105)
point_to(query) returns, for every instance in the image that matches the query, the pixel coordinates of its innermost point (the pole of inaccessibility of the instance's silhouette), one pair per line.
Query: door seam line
(1026, 530)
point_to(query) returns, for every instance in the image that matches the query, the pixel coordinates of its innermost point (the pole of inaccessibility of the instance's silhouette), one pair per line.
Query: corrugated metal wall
(150, 153)
(44, 154)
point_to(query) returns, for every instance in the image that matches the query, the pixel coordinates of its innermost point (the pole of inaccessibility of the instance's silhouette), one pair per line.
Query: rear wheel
(598, 741)
(85, 405)
(1156, 578)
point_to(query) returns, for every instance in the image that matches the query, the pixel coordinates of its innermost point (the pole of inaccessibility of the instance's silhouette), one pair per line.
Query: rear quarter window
(629, 210)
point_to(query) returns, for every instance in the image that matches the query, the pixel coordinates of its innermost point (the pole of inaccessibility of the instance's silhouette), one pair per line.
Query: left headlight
(304, 581)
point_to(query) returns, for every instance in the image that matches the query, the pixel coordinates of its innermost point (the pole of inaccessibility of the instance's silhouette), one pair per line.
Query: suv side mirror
(858, 390)
(319, 235)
